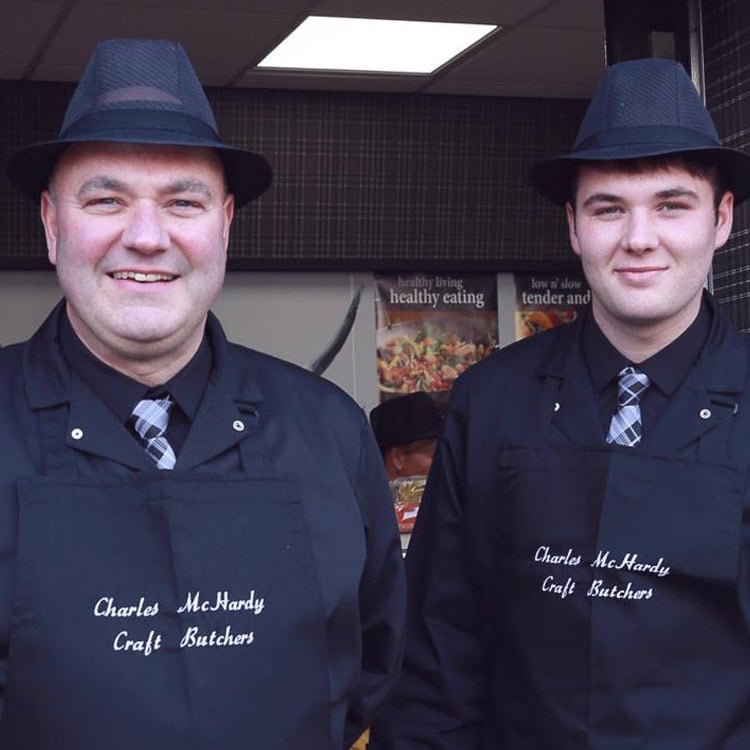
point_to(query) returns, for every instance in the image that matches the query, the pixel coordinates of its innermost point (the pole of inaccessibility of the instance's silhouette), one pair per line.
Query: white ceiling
(546, 48)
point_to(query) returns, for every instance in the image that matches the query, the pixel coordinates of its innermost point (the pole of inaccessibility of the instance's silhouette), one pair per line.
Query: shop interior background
(373, 173)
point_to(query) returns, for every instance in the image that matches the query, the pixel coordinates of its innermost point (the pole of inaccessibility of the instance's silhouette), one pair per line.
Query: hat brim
(390, 441)
(248, 174)
(554, 177)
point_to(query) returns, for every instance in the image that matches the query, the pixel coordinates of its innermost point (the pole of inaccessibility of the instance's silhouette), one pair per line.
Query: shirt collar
(666, 369)
(120, 393)
(189, 384)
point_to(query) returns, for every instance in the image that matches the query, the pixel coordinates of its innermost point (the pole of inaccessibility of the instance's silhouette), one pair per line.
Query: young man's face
(646, 241)
(138, 235)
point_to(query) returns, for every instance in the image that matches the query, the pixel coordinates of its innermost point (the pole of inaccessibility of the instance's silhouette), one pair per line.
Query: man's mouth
(143, 278)
(641, 270)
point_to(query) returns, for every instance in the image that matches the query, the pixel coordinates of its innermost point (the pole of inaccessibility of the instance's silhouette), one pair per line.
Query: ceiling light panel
(373, 45)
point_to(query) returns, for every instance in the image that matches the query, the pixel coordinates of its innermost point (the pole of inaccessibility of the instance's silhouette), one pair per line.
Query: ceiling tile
(550, 59)
(504, 12)
(578, 14)
(243, 38)
(23, 30)
(291, 7)
(330, 82)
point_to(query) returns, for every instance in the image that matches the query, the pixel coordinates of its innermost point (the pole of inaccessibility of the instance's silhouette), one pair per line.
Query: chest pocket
(614, 502)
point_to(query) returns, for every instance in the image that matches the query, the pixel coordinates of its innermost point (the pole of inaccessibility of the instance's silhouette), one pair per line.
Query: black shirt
(666, 369)
(120, 393)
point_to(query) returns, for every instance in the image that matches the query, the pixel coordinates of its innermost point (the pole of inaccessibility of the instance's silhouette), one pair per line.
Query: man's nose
(145, 231)
(640, 235)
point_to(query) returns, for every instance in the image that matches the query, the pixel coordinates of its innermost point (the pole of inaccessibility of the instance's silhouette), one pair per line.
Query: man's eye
(102, 202)
(607, 210)
(185, 203)
(672, 207)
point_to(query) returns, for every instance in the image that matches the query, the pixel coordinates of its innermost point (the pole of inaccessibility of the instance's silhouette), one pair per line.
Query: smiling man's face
(646, 241)
(138, 235)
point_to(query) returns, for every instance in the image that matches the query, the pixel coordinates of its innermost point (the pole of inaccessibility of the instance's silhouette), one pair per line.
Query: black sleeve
(382, 592)
(439, 701)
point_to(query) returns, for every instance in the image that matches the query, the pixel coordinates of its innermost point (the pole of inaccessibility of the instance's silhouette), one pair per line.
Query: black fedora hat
(139, 91)
(642, 108)
(406, 419)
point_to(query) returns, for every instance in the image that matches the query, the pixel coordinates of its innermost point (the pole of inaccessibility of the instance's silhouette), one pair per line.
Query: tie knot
(630, 386)
(151, 416)
(149, 419)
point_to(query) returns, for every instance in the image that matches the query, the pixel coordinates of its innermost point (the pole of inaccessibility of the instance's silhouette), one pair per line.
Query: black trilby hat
(405, 419)
(139, 91)
(643, 108)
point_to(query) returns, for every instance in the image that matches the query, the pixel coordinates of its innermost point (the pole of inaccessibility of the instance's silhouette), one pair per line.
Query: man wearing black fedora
(198, 547)
(406, 429)
(579, 572)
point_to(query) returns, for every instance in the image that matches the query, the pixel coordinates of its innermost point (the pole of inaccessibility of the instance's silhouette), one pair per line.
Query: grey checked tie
(626, 427)
(149, 419)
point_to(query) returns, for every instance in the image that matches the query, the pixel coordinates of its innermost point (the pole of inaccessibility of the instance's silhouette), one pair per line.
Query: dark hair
(696, 163)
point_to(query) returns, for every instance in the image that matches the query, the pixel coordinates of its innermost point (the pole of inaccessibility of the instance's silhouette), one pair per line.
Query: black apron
(613, 602)
(165, 610)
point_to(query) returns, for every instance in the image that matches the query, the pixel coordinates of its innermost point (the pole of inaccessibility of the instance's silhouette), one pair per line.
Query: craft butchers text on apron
(165, 610)
(613, 602)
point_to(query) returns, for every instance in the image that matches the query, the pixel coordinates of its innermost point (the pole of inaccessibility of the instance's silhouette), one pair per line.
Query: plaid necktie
(625, 427)
(149, 419)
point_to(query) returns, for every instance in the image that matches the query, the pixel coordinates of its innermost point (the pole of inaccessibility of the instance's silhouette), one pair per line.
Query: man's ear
(48, 211)
(228, 209)
(570, 215)
(724, 219)
(397, 457)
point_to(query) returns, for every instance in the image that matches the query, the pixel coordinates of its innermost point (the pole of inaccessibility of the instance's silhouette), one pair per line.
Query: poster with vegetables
(544, 301)
(432, 327)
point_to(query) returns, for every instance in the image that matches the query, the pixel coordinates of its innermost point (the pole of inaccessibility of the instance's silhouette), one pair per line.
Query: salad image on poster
(431, 328)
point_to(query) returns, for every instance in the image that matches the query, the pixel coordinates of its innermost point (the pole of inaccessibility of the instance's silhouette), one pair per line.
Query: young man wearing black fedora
(198, 546)
(577, 574)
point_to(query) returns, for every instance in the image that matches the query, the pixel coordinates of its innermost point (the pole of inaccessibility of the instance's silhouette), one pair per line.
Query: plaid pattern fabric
(625, 427)
(726, 41)
(149, 420)
(364, 181)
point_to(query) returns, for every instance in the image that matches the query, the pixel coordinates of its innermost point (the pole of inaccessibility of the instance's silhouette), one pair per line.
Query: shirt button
(557, 406)
(238, 425)
(76, 433)
(705, 413)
